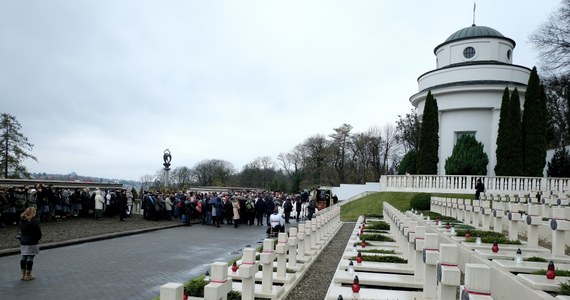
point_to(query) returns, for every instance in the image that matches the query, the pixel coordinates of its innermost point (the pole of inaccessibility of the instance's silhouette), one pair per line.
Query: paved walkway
(131, 267)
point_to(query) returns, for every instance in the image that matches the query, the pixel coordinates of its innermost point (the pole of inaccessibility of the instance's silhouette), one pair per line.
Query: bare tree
(390, 145)
(374, 147)
(181, 177)
(552, 40)
(146, 181)
(213, 172)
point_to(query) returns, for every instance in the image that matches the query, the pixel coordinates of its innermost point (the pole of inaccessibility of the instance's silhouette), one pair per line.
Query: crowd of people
(54, 203)
(208, 208)
(231, 208)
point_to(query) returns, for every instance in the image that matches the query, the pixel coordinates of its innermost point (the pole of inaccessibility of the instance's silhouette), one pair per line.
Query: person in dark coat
(269, 207)
(298, 207)
(259, 210)
(479, 188)
(30, 235)
(287, 208)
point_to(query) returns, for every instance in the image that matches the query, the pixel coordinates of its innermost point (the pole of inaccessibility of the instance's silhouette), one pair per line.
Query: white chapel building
(473, 67)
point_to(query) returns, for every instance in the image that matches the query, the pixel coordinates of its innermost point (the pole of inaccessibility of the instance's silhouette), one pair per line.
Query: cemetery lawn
(371, 205)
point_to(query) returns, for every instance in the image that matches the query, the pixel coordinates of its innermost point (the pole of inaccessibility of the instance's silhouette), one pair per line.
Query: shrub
(380, 251)
(561, 273)
(564, 288)
(536, 259)
(421, 201)
(195, 286)
(384, 259)
(376, 237)
(467, 158)
(433, 215)
(379, 225)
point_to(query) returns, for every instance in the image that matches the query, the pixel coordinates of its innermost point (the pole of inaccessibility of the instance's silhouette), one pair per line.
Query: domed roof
(474, 31)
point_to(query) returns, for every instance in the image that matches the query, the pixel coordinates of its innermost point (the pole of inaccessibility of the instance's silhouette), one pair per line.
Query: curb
(14, 251)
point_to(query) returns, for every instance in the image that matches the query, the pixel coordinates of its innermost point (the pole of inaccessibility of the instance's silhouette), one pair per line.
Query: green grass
(378, 225)
(372, 204)
(376, 237)
(379, 251)
(564, 288)
(384, 259)
(536, 259)
(561, 273)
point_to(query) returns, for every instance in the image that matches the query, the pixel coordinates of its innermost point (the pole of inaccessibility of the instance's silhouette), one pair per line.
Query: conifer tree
(534, 128)
(514, 150)
(559, 166)
(429, 138)
(467, 158)
(14, 147)
(502, 152)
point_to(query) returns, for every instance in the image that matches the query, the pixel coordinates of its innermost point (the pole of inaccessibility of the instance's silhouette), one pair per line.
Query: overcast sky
(102, 88)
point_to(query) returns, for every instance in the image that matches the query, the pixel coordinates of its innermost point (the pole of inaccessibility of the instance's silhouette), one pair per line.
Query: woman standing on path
(30, 235)
(235, 206)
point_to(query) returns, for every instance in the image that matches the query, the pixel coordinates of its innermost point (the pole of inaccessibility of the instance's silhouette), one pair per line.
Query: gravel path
(316, 281)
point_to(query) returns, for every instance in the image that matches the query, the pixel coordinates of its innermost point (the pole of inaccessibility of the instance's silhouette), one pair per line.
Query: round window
(469, 52)
(509, 53)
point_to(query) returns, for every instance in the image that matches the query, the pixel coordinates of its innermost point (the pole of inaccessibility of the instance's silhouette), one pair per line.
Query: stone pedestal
(514, 218)
(560, 226)
(533, 220)
(220, 285)
(292, 256)
(430, 258)
(419, 247)
(301, 244)
(448, 274)
(477, 282)
(486, 215)
(411, 238)
(247, 272)
(266, 259)
(281, 251)
(498, 214)
(172, 291)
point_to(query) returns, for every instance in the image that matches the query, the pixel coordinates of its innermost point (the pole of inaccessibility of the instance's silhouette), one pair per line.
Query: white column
(477, 282)
(247, 272)
(281, 251)
(449, 275)
(266, 259)
(292, 243)
(220, 285)
(420, 242)
(431, 256)
(172, 291)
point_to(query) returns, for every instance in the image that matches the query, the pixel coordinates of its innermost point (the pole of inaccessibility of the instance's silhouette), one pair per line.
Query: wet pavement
(130, 267)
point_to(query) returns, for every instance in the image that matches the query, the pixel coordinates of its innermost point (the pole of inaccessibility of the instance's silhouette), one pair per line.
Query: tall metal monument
(167, 157)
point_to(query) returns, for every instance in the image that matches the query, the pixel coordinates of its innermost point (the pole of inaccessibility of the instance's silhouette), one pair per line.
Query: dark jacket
(31, 233)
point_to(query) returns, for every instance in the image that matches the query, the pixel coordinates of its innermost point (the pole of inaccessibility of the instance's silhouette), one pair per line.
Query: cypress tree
(467, 158)
(514, 137)
(534, 127)
(559, 166)
(502, 152)
(429, 138)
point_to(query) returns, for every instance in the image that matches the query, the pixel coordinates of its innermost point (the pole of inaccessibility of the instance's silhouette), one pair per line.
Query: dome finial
(474, 6)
